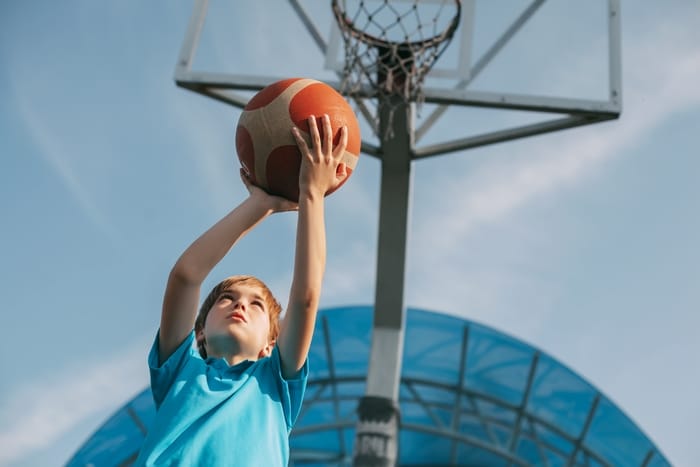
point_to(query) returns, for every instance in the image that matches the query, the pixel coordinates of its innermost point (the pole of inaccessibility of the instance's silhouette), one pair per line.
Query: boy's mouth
(237, 315)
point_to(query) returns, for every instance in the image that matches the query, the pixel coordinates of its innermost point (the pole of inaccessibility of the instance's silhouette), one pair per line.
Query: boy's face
(238, 323)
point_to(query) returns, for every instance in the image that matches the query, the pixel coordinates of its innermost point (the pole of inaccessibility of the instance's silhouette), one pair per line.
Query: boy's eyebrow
(224, 292)
(257, 297)
(254, 296)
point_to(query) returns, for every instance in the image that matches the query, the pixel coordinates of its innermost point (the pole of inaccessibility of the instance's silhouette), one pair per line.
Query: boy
(234, 402)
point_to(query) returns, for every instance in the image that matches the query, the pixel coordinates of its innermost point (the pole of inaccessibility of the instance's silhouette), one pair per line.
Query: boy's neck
(235, 359)
(238, 358)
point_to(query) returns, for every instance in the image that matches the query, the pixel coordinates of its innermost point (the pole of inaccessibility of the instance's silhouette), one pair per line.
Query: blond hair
(271, 304)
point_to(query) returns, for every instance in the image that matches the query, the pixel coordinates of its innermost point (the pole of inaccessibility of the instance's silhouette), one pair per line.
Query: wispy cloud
(54, 150)
(352, 276)
(210, 135)
(497, 189)
(38, 414)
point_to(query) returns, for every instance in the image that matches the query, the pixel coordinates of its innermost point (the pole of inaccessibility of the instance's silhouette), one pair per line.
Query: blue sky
(583, 243)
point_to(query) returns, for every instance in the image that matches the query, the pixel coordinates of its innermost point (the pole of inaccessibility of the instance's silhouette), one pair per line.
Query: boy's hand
(321, 166)
(274, 203)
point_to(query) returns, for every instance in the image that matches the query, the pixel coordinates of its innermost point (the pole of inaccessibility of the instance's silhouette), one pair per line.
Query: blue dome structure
(469, 395)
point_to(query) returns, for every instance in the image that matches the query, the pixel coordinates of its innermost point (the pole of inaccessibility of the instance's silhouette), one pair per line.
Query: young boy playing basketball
(234, 401)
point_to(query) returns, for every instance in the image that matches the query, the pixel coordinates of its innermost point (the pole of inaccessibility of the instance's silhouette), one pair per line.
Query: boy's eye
(258, 304)
(225, 297)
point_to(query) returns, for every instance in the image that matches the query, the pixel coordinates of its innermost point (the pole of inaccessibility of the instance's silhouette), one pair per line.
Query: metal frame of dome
(469, 395)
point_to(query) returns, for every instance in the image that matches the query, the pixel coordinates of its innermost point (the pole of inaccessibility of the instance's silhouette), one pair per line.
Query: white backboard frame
(570, 112)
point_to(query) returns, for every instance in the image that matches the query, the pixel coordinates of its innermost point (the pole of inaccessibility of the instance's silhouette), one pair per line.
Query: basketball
(266, 148)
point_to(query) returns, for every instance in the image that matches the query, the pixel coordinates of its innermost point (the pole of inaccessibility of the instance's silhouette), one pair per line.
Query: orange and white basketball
(266, 148)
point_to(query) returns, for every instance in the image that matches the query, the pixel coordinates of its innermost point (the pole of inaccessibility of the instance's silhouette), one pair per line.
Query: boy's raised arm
(321, 169)
(191, 269)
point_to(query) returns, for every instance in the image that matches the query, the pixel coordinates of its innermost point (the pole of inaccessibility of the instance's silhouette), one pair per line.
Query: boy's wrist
(268, 203)
(260, 203)
(310, 193)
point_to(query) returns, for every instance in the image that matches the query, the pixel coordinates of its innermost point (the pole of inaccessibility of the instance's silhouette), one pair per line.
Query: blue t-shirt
(210, 413)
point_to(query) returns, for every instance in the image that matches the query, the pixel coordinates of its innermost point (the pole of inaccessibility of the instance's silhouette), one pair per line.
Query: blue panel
(496, 413)
(423, 448)
(658, 460)
(435, 395)
(416, 413)
(352, 389)
(316, 392)
(560, 397)
(144, 407)
(528, 451)
(405, 392)
(350, 331)
(432, 349)
(318, 413)
(474, 428)
(317, 355)
(615, 437)
(584, 458)
(326, 441)
(497, 365)
(474, 456)
(348, 409)
(559, 446)
(118, 440)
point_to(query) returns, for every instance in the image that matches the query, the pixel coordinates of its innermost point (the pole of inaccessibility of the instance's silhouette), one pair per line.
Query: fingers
(341, 172)
(245, 178)
(319, 145)
(327, 135)
(300, 140)
(313, 129)
(244, 175)
(343, 144)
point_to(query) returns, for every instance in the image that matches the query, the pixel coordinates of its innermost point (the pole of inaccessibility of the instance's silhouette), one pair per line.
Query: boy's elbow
(307, 302)
(184, 274)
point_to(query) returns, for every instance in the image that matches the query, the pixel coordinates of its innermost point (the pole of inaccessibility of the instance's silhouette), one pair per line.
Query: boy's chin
(237, 338)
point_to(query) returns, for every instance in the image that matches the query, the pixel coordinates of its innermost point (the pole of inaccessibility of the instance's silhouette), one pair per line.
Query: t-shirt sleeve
(163, 376)
(291, 390)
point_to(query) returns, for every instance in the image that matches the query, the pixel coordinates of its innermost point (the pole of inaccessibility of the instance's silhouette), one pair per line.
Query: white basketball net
(391, 45)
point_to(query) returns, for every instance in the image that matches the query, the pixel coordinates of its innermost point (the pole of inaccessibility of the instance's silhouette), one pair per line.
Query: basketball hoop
(391, 45)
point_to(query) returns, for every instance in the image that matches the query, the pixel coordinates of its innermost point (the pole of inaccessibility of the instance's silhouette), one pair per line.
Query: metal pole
(376, 440)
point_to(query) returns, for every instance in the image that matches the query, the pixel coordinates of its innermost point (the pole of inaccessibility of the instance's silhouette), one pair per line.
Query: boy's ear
(199, 337)
(267, 350)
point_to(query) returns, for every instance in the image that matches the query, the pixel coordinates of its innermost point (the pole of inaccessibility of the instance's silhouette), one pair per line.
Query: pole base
(377, 433)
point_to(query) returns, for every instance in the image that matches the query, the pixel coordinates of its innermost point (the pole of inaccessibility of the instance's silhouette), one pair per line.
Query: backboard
(545, 65)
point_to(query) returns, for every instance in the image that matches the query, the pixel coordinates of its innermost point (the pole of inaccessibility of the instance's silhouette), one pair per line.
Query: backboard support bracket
(573, 112)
